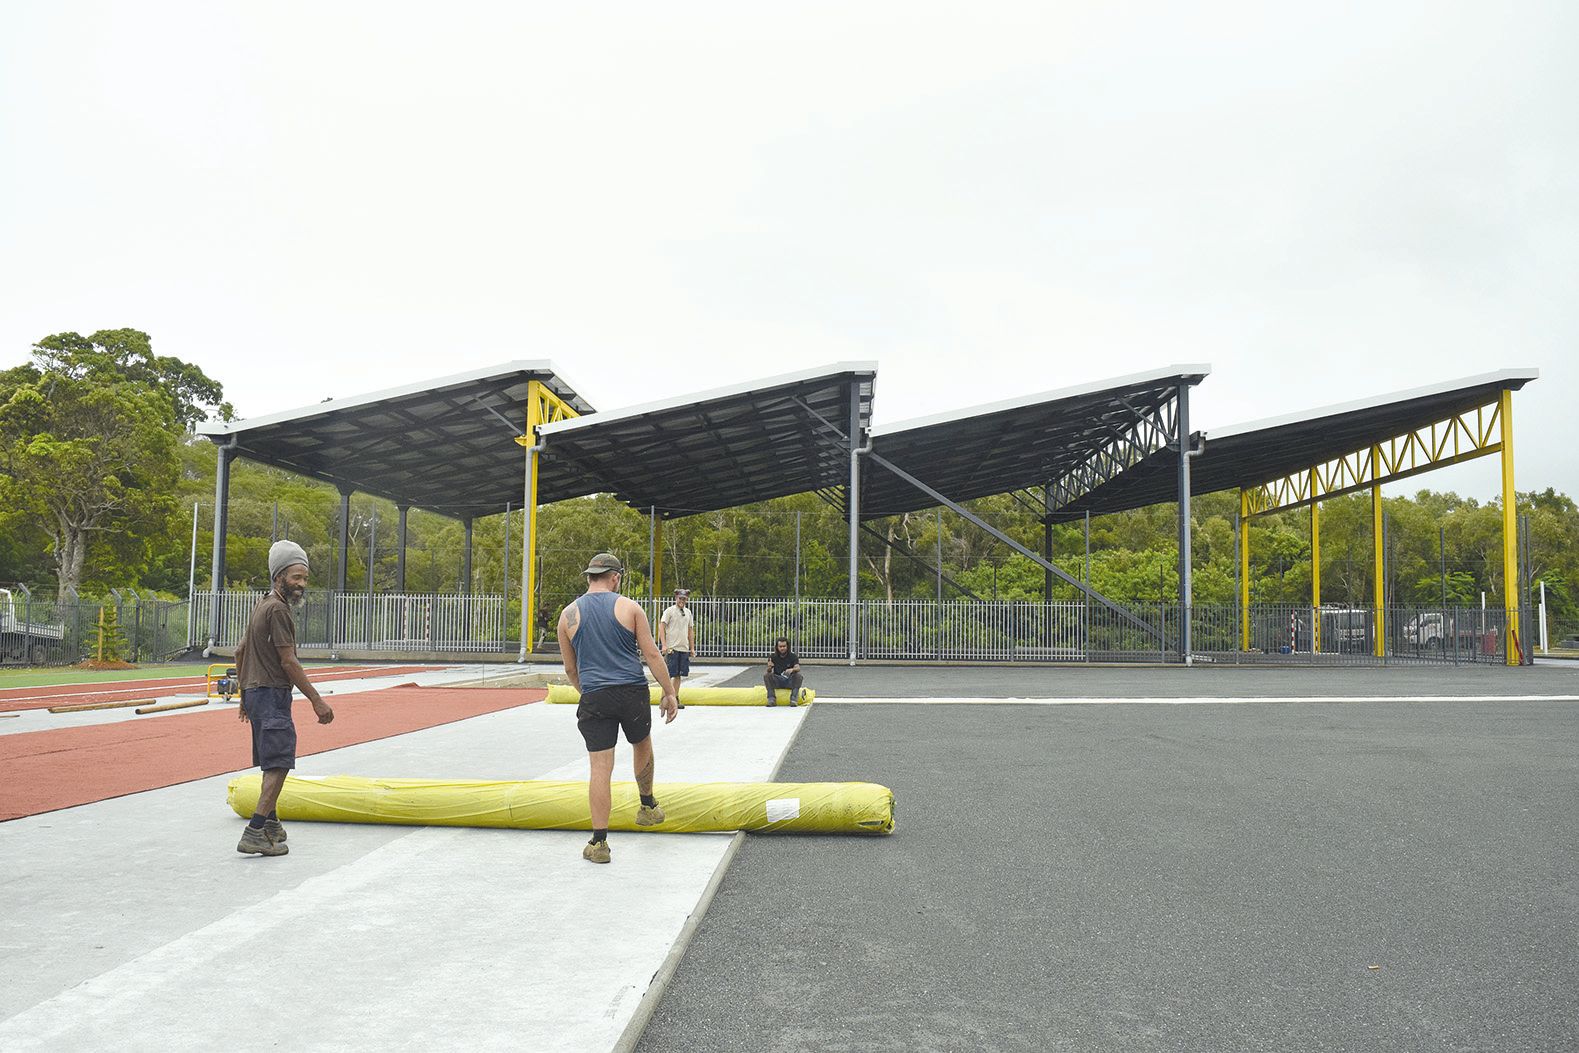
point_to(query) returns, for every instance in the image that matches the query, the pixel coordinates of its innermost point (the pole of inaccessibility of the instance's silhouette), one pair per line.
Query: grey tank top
(606, 651)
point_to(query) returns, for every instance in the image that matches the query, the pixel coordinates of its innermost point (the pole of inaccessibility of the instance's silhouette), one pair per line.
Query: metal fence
(42, 631)
(1080, 632)
(45, 630)
(397, 622)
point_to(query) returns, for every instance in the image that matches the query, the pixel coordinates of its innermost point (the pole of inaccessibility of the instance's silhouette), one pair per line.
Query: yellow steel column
(534, 418)
(1315, 567)
(1244, 572)
(1510, 532)
(1378, 569)
(657, 563)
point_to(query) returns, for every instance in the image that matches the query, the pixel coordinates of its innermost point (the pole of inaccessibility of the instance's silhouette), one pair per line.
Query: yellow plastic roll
(565, 695)
(793, 807)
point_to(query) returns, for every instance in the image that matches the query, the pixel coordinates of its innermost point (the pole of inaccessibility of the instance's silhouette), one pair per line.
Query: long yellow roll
(565, 695)
(793, 807)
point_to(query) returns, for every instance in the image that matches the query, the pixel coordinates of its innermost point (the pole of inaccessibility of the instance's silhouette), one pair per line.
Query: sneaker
(275, 830)
(596, 852)
(649, 816)
(773, 700)
(256, 842)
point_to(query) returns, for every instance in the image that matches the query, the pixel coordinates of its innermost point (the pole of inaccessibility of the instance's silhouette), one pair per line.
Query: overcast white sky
(1324, 201)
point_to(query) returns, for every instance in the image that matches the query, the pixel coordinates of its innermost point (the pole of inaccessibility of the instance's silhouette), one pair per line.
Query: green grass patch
(37, 676)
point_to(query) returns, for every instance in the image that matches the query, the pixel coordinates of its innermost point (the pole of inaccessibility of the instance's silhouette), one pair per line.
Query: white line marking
(1194, 701)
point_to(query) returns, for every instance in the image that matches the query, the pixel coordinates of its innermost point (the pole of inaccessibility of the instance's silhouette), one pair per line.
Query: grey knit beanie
(283, 554)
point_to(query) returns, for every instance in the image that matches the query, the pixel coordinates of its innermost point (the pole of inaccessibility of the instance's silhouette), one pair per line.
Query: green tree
(89, 434)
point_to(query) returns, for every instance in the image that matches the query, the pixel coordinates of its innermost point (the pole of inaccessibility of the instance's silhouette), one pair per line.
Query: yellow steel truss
(1461, 437)
(542, 407)
(1477, 432)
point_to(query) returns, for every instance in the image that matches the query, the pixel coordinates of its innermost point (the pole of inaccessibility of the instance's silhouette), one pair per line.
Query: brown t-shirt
(270, 628)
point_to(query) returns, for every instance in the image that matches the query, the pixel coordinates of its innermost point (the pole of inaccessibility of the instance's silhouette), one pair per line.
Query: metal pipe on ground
(87, 706)
(167, 706)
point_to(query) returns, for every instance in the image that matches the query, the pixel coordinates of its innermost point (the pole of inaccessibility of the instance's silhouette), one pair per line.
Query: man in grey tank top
(606, 640)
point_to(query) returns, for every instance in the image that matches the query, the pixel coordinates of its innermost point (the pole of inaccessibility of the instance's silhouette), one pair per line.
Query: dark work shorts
(273, 730)
(679, 663)
(604, 712)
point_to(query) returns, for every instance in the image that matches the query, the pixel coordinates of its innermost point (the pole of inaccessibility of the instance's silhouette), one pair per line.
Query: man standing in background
(676, 639)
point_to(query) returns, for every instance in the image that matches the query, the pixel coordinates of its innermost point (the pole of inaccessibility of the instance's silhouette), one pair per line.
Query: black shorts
(273, 730)
(604, 712)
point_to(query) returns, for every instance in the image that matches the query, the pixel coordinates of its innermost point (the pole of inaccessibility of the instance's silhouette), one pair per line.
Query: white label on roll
(782, 808)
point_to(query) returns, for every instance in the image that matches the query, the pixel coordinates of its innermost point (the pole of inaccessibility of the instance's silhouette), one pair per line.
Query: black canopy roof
(1015, 444)
(716, 449)
(445, 445)
(1248, 455)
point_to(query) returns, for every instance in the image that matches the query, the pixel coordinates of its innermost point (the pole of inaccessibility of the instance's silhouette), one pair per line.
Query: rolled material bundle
(565, 695)
(792, 807)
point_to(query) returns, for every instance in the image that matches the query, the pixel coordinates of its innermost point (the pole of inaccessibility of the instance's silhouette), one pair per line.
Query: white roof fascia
(1025, 401)
(560, 426)
(1375, 402)
(415, 388)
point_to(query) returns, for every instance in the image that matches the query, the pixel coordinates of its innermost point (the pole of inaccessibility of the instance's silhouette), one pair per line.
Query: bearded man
(268, 668)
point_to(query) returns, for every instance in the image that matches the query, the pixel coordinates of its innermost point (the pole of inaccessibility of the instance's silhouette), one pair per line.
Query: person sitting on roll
(783, 671)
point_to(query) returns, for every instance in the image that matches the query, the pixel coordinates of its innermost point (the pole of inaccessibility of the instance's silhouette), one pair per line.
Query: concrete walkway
(133, 923)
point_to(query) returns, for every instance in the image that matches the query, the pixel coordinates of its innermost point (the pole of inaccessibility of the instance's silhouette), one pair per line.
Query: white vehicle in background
(1432, 629)
(25, 641)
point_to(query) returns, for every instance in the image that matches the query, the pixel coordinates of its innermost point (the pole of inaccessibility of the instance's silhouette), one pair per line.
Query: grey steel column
(400, 544)
(940, 558)
(466, 560)
(1186, 591)
(797, 566)
(345, 539)
(1047, 542)
(221, 525)
(372, 550)
(854, 500)
(505, 590)
(652, 550)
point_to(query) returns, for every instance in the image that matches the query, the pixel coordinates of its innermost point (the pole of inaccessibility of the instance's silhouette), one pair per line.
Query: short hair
(605, 574)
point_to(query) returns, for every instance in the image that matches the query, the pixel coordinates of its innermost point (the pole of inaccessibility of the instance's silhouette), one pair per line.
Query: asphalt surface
(999, 681)
(1290, 876)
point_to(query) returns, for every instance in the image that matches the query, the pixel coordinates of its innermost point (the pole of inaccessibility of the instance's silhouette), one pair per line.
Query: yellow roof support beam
(1461, 437)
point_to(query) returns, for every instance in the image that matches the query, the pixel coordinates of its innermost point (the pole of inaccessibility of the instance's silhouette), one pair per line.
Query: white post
(1544, 646)
(191, 581)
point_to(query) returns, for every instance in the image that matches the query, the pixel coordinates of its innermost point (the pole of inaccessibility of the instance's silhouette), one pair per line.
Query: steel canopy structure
(454, 446)
(1247, 456)
(715, 449)
(441, 445)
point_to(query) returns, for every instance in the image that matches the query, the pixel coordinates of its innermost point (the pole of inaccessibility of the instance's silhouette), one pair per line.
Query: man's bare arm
(298, 676)
(569, 618)
(660, 672)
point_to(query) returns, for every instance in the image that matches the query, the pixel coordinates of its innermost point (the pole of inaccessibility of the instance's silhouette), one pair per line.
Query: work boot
(596, 852)
(275, 829)
(649, 816)
(256, 842)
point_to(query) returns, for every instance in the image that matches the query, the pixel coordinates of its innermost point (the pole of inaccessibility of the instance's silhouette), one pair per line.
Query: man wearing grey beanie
(268, 668)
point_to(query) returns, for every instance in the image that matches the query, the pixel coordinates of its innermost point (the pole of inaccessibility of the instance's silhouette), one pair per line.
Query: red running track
(18, 698)
(65, 767)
